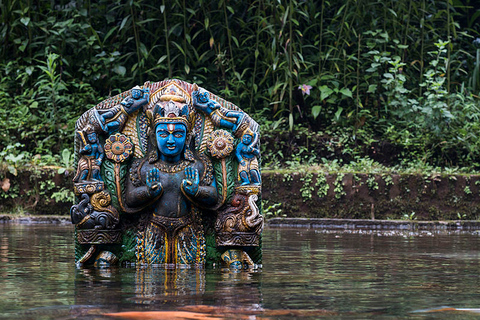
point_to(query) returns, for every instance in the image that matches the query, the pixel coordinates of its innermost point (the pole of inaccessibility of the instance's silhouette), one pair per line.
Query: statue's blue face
(171, 139)
(136, 94)
(92, 137)
(247, 139)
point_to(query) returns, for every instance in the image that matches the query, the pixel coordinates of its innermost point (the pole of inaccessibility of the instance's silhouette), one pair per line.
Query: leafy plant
(307, 188)
(339, 191)
(409, 216)
(67, 161)
(13, 157)
(272, 211)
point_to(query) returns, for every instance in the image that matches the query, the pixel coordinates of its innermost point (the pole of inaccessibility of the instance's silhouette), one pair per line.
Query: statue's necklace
(172, 168)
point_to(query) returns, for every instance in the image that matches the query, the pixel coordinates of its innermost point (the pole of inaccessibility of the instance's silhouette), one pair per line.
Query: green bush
(366, 72)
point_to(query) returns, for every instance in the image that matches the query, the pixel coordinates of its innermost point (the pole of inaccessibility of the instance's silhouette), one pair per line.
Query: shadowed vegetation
(364, 77)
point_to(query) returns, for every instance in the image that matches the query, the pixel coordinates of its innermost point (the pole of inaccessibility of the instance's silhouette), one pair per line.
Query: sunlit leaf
(325, 92)
(346, 92)
(316, 111)
(162, 58)
(124, 21)
(25, 20)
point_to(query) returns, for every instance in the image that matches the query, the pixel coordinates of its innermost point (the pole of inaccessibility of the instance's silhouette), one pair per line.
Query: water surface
(306, 274)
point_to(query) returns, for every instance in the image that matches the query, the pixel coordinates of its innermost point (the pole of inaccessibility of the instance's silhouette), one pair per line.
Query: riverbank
(294, 193)
(33, 219)
(371, 196)
(379, 225)
(305, 223)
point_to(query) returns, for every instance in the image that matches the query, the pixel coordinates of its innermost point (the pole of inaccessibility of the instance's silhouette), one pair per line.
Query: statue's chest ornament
(172, 168)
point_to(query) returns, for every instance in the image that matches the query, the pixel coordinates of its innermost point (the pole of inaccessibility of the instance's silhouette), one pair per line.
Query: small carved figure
(237, 259)
(114, 119)
(220, 116)
(86, 217)
(91, 157)
(247, 153)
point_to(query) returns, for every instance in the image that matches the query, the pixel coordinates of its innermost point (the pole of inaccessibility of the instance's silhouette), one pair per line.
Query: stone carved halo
(170, 92)
(118, 147)
(220, 143)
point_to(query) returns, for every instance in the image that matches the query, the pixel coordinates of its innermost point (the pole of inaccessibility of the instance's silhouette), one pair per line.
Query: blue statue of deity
(168, 188)
(91, 157)
(247, 154)
(174, 182)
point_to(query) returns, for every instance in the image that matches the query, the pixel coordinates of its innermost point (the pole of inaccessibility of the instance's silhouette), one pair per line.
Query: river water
(306, 274)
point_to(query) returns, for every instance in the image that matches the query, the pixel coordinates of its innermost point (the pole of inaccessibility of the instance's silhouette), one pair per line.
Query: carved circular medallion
(118, 147)
(220, 144)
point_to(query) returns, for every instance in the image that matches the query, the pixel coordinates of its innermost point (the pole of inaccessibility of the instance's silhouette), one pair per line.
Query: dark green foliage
(213, 253)
(375, 71)
(128, 246)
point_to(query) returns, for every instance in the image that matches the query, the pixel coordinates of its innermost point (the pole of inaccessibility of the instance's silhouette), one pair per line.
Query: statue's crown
(166, 108)
(171, 113)
(89, 129)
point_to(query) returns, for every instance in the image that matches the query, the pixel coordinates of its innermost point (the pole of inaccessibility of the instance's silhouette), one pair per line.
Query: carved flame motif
(240, 223)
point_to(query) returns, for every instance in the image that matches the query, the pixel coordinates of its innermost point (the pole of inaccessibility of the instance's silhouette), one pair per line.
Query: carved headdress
(171, 104)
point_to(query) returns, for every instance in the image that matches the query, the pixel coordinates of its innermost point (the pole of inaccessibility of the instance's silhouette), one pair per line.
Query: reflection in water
(134, 288)
(306, 274)
(169, 283)
(3, 256)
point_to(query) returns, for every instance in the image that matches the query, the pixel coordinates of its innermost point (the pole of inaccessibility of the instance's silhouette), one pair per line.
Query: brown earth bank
(286, 193)
(371, 196)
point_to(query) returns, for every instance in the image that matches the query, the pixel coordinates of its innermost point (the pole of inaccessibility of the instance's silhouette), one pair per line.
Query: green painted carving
(128, 246)
(108, 174)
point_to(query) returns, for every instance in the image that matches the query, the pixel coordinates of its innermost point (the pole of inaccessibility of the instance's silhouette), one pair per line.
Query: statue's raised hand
(191, 182)
(153, 182)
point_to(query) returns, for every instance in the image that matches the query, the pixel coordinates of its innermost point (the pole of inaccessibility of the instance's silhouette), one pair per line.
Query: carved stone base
(240, 222)
(243, 239)
(88, 187)
(95, 236)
